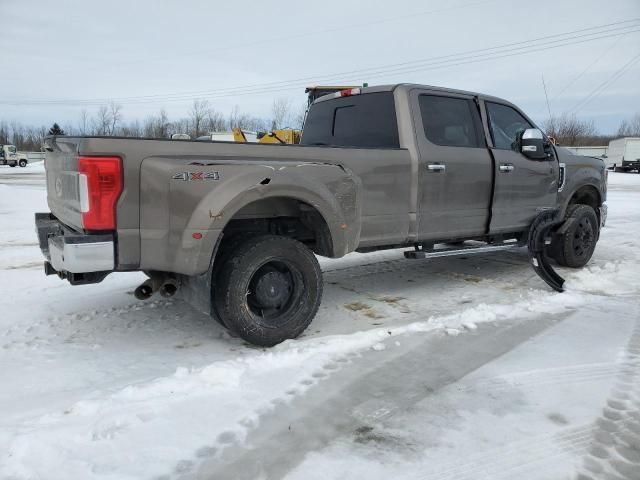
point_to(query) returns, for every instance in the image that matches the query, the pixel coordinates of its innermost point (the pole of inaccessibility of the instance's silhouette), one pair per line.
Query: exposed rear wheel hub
(271, 288)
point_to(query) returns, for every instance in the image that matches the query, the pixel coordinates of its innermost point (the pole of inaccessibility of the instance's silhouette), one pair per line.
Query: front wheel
(576, 245)
(23, 163)
(268, 290)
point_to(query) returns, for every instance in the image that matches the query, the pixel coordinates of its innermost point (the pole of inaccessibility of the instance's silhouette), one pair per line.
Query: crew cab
(236, 227)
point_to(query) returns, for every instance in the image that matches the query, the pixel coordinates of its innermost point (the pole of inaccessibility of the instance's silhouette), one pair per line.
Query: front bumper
(77, 256)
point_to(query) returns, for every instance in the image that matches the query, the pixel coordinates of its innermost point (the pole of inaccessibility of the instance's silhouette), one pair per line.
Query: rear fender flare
(330, 189)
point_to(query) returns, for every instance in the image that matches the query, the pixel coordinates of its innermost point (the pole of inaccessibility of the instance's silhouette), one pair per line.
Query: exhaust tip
(168, 289)
(143, 292)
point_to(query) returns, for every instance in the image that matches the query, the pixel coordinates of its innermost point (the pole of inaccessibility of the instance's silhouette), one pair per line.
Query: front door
(455, 168)
(523, 187)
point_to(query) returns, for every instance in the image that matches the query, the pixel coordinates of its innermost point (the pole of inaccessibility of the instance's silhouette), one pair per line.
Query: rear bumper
(72, 254)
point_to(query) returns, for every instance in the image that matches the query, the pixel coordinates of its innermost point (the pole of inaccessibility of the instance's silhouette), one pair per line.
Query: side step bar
(539, 238)
(468, 250)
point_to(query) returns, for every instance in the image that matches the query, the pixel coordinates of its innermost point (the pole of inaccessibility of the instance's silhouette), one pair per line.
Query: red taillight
(100, 185)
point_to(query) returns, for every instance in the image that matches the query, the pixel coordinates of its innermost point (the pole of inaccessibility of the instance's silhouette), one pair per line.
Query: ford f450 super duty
(237, 227)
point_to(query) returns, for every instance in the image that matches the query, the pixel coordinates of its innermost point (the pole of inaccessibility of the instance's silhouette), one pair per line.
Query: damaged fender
(539, 238)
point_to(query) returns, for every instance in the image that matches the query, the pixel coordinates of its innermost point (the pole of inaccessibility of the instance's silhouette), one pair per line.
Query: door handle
(436, 167)
(506, 167)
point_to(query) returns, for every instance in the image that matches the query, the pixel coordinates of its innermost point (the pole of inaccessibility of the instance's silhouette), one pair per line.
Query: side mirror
(532, 144)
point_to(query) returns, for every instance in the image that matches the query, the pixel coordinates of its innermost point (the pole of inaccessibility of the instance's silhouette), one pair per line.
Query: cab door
(523, 187)
(455, 171)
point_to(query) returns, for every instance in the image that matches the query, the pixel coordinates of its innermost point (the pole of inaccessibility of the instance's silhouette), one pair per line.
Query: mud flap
(539, 235)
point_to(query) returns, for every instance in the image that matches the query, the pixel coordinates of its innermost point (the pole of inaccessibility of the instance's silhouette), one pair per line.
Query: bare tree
(281, 113)
(630, 128)
(133, 129)
(4, 133)
(84, 122)
(299, 117)
(200, 110)
(102, 121)
(568, 130)
(234, 115)
(215, 121)
(115, 116)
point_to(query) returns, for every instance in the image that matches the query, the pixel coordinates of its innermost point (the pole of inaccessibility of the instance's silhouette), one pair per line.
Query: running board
(451, 252)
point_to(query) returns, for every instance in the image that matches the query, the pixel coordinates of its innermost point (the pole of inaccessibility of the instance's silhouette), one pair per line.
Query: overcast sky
(148, 54)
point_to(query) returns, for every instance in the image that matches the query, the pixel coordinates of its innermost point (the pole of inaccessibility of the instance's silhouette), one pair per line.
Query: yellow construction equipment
(290, 136)
(285, 136)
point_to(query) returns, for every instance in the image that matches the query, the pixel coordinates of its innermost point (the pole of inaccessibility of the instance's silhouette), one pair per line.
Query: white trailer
(623, 154)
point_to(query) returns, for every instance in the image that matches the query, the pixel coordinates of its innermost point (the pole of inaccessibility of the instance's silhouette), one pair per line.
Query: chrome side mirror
(532, 144)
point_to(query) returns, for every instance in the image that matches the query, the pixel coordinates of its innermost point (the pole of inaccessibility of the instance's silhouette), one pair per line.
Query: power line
(462, 58)
(606, 28)
(602, 87)
(310, 33)
(576, 78)
(398, 67)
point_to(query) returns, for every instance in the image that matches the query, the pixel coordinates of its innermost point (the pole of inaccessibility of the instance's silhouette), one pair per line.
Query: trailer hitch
(539, 239)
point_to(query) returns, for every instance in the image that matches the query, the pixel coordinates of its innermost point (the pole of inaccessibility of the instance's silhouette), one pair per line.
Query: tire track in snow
(615, 440)
(552, 376)
(386, 383)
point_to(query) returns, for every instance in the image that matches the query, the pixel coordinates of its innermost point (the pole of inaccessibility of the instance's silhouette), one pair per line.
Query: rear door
(366, 126)
(523, 187)
(455, 168)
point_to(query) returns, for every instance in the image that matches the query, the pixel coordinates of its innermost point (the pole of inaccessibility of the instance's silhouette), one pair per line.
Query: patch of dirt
(371, 313)
(356, 306)
(389, 300)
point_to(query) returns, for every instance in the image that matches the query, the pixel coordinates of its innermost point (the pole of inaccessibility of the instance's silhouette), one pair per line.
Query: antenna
(544, 85)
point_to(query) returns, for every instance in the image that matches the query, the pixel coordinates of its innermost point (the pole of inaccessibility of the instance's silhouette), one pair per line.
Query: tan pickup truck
(236, 227)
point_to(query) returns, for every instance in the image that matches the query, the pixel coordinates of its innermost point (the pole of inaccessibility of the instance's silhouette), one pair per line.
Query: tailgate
(61, 165)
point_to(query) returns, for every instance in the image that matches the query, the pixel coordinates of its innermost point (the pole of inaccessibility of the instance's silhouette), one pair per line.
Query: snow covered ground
(454, 368)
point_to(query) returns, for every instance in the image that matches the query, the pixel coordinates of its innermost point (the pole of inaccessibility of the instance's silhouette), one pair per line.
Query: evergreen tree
(56, 130)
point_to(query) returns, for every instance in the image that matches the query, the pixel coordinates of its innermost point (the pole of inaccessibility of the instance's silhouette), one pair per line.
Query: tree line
(568, 130)
(108, 120)
(203, 118)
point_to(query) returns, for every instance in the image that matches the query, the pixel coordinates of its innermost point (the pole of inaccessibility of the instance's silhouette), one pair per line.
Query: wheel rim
(583, 237)
(273, 292)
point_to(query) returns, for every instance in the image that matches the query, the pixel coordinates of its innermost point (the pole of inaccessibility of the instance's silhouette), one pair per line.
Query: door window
(506, 123)
(449, 121)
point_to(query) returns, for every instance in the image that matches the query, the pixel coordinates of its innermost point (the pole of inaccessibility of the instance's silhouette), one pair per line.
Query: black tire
(268, 290)
(575, 247)
(12, 165)
(23, 163)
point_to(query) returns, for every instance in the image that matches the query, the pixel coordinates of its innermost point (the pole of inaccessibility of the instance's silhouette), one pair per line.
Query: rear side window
(367, 120)
(449, 121)
(505, 123)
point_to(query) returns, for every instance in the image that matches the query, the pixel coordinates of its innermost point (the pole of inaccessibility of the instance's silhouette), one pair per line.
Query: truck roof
(409, 86)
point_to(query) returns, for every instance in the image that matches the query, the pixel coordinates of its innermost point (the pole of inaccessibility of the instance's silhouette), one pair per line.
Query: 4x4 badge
(196, 176)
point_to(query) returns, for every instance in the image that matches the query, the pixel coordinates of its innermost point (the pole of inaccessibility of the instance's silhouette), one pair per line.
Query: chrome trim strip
(563, 176)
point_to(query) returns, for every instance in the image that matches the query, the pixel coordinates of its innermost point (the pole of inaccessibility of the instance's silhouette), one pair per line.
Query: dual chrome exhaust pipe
(167, 287)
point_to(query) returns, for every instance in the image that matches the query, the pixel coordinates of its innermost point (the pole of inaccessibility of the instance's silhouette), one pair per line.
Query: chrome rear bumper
(80, 254)
(69, 252)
